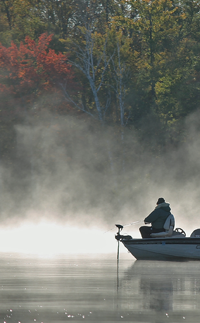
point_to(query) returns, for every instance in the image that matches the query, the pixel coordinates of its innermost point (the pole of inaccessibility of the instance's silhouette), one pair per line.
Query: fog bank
(69, 170)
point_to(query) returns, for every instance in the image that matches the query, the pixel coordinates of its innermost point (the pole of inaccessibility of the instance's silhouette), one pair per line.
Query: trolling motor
(118, 236)
(120, 227)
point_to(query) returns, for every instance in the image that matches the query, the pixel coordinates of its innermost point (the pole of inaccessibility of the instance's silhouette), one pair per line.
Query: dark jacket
(158, 217)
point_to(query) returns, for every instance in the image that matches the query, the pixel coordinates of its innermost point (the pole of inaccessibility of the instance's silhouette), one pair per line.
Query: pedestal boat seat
(168, 228)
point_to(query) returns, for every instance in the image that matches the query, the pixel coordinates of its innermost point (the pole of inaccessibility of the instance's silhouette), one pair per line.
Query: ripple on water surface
(91, 288)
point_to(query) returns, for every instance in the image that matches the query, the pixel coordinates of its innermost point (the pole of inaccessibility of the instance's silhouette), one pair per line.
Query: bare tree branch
(69, 99)
(85, 62)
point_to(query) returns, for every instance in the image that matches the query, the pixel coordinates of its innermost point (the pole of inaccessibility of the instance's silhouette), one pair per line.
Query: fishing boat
(167, 245)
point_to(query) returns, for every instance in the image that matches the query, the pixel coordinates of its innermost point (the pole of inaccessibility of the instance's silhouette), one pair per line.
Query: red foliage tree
(33, 68)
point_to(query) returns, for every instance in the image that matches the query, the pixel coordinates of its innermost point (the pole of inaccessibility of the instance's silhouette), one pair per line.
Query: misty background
(69, 170)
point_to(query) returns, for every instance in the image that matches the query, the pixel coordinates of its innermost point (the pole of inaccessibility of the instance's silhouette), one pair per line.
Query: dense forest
(112, 82)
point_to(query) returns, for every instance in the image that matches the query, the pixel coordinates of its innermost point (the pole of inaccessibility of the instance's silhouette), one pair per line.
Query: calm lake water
(86, 288)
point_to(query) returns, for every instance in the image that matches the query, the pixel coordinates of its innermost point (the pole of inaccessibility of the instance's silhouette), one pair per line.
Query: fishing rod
(126, 225)
(132, 223)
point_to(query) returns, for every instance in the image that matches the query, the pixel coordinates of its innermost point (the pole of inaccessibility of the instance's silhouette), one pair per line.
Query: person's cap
(160, 200)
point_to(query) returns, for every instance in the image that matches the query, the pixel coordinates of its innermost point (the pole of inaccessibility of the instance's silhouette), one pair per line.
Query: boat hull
(164, 249)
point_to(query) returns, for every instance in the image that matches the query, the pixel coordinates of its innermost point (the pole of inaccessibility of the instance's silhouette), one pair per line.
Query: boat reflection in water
(161, 291)
(83, 288)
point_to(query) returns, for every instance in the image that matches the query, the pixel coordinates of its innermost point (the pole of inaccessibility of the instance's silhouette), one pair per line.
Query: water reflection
(162, 290)
(93, 289)
(54, 290)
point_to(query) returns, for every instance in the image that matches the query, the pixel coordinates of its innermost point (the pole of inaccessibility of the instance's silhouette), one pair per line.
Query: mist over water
(69, 172)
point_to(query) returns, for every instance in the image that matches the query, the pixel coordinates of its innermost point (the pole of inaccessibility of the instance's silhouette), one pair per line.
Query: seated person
(157, 219)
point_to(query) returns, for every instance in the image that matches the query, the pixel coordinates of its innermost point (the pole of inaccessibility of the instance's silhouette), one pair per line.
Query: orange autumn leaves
(32, 67)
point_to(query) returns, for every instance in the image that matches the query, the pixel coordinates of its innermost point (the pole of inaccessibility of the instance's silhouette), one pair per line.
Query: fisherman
(157, 219)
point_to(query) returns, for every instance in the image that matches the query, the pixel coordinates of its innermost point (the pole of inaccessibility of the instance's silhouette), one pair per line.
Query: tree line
(130, 64)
